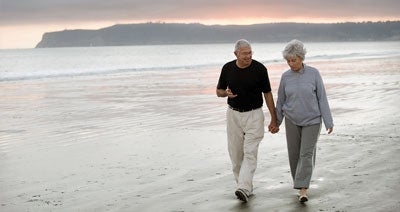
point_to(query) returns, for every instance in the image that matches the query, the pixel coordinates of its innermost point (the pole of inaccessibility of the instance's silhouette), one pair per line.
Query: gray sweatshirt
(302, 98)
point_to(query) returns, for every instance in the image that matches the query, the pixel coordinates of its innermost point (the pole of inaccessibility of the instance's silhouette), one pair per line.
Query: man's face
(244, 56)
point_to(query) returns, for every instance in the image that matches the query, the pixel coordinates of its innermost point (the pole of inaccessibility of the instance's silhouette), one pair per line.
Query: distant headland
(194, 33)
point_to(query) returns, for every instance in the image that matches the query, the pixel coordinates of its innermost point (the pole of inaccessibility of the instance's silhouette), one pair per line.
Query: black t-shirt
(248, 83)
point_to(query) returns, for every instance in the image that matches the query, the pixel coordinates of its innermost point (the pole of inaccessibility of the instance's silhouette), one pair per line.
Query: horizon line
(280, 22)
(289, 22)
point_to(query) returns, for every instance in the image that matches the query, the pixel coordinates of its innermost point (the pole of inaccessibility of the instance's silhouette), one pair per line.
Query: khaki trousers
(245, 132)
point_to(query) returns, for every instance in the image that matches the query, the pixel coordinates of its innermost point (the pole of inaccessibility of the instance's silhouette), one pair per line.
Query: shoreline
(118, 143)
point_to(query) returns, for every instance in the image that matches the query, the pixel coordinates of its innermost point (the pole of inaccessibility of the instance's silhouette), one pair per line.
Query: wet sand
(151, 141)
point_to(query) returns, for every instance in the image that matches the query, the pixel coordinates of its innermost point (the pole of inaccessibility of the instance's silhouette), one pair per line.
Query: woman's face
(295, 63)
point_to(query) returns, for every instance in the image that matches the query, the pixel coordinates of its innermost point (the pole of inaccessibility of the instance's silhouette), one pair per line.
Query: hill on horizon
(195, 33)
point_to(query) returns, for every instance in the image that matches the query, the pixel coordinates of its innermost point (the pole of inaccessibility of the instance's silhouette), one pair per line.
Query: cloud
(19, 12)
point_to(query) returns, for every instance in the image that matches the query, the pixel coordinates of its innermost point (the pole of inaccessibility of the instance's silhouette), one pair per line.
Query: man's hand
(229, 93)
(273, 128)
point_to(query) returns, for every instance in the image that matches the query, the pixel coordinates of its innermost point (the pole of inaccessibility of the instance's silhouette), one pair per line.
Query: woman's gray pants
(301, 144)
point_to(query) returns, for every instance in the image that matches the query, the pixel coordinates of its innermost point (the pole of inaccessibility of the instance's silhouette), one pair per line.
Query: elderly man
(245, 81)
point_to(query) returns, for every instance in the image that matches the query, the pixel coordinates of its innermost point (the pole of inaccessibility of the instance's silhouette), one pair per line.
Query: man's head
(243, 53)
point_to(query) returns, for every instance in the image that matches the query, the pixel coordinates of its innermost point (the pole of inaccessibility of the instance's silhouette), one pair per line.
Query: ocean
(29, 64)
(67, 96)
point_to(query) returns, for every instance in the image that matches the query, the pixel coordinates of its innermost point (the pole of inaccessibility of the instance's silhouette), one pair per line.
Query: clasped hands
(273, 128)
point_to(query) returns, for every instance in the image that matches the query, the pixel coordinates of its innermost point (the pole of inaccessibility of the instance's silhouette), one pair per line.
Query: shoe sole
(241, 195)
(303, 199)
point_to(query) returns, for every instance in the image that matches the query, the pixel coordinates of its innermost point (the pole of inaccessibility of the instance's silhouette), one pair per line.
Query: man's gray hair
(294, 48)
(241, 43)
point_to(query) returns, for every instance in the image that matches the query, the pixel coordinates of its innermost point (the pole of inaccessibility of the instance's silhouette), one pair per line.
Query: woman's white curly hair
(294, 48)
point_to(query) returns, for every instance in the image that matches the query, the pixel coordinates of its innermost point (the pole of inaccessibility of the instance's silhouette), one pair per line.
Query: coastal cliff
(175, 33)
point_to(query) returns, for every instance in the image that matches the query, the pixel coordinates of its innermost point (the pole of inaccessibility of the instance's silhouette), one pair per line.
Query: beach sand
(151, 141)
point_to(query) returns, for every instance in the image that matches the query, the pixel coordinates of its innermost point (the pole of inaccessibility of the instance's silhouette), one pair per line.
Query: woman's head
(294, 48)
(294, 53)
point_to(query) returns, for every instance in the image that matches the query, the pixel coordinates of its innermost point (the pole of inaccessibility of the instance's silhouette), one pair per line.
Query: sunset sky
(23, 22)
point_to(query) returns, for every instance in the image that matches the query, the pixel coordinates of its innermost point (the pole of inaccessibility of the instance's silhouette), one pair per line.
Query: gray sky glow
(19, 12)
(23, 22)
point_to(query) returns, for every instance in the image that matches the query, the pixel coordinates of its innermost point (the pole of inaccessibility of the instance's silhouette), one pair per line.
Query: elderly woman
(302, 101)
